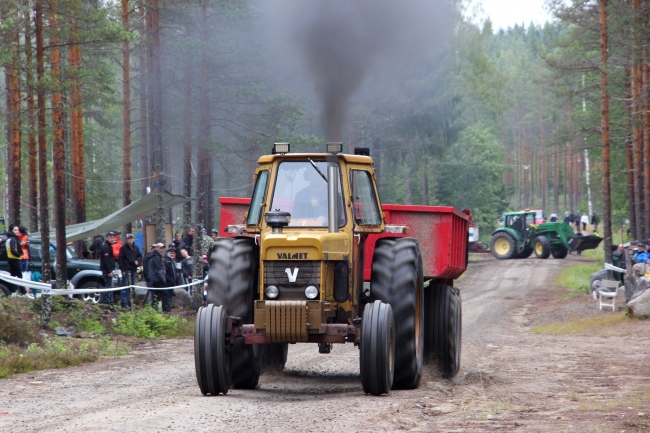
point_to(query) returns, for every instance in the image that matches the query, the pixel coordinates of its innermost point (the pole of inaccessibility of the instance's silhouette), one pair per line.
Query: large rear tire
(377, 348)
(212, 361)
(503, 246)
(542, 247)
(443, 327)
(559, 252)
(525, 254)
(397, 280)
(232, 283)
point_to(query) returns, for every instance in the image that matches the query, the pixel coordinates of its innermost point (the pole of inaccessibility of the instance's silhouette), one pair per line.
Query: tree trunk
(156, 116)
(205, 132)
(126, 114)
(645, 114)
(46, 301)
(58, 151)
(31, 127)
(629, 155)
(144, 117)
(77, 148)
(12, 77)
(187, 135)
(556, 180)
(604, 102)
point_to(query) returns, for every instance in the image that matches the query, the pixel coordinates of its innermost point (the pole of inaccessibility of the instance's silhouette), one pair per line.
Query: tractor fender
(511, 232)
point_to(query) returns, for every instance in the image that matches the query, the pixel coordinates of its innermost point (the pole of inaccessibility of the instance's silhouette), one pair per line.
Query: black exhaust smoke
(341, 41)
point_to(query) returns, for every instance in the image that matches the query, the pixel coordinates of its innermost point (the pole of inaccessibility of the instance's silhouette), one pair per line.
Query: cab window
(255, 211)
(364, 200)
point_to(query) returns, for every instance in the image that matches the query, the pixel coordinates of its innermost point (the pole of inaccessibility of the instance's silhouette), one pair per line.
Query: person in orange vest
(14, 255)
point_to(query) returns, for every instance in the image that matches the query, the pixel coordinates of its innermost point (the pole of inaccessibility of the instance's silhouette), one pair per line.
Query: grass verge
(582, 326)
(25, 346)
(577, 278)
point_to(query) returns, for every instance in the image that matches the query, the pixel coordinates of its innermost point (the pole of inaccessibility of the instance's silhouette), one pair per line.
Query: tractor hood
(305, 246)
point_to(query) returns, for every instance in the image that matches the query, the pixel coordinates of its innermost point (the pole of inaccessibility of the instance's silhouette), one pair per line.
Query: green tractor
(519, 237)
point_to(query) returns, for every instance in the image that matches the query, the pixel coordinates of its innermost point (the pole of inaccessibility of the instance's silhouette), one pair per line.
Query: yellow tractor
(313, 257)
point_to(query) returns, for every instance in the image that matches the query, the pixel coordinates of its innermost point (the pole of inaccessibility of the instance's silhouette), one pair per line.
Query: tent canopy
(133, 212)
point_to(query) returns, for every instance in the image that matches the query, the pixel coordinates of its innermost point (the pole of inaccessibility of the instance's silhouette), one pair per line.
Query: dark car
(82, 273)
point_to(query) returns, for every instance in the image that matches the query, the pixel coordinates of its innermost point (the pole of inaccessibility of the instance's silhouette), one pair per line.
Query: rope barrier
(46, 289)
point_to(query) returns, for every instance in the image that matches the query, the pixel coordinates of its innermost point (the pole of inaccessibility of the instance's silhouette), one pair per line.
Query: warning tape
(46, 289)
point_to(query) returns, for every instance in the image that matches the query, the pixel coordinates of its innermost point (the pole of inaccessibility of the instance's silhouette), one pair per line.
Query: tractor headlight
(311, 292)
(272, 292)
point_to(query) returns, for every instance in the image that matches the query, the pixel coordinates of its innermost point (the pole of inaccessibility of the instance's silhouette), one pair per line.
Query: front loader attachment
(581, 243)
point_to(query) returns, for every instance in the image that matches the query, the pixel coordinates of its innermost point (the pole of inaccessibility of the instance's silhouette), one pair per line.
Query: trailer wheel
(232, 283)
(212, 362)
(443, 327)
(503, 246)
(559, 252)
(275, 356)
(397, 280)
(377, 348)
(542, 247)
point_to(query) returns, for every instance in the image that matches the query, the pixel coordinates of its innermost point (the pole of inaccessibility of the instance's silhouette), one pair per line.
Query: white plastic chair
(608, 290)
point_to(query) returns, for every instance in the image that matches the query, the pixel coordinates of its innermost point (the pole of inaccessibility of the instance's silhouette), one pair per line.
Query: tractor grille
(306, 273)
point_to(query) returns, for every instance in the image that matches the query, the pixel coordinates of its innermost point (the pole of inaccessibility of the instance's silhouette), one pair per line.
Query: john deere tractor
(519, 238)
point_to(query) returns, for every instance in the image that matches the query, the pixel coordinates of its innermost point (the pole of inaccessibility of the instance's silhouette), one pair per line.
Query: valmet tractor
(313, 257)
(519, 237)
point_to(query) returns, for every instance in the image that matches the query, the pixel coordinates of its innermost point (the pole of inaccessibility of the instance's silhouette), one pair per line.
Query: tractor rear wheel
(377, 348)
(443, 327)
(397, 280)
(232, 283)
(542, 247)
(503, 246)
(559, 252)
(275, 356)
(211, 359)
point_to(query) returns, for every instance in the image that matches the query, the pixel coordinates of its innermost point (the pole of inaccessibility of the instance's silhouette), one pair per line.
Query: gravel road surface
(510, 380)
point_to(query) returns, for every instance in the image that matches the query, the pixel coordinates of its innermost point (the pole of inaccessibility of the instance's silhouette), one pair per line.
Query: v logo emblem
(292, 276)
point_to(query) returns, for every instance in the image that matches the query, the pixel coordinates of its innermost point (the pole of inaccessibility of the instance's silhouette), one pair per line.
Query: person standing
(129, 260)
(14, 256)
(156, 270)
(595, 221)
(584, 219)
(98, 241)
(178, 244)
(170, 278)
(214, 235)
(24, 245)
(145, 272)
(553, 217)
(107, 266)
(187, 266)
(188, 240)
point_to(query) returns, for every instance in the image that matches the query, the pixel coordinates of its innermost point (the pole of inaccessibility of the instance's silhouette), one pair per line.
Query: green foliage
(577, 278)
(18, 325)
(471, 177)
(91, 326)
(148, 323)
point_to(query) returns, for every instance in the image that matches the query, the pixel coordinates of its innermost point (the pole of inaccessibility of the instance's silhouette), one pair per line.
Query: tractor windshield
(302, 191)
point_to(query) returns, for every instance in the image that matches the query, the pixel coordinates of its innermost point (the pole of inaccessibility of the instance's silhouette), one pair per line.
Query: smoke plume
(340, 42)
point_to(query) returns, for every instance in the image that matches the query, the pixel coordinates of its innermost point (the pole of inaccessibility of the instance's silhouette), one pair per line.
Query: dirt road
(510, 379)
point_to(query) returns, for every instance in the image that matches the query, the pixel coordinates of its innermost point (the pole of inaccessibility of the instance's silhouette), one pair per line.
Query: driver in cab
(311, 201)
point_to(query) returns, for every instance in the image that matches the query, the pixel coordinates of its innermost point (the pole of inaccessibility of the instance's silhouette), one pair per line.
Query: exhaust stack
(332, 199)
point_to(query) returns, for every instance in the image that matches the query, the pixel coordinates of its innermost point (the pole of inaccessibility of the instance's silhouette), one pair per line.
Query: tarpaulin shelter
(139, 209)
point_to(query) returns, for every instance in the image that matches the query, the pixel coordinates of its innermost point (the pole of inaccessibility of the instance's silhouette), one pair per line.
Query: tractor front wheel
(211, 359)
(542, 247)
(503, 246)
(377, 348)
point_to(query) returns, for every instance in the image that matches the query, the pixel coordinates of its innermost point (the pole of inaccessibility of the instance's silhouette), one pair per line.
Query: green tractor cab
(519, 237)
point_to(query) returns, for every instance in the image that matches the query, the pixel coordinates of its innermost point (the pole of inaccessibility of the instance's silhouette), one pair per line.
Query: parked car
(82, 273)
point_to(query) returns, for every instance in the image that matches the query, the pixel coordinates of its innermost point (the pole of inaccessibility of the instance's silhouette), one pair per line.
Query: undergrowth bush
(18, 324)
(54, 353)
(92, 326)
(148, 323)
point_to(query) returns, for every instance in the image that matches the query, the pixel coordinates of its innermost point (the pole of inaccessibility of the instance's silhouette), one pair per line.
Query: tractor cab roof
(355, 159)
